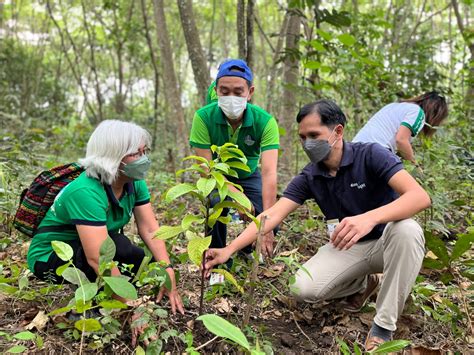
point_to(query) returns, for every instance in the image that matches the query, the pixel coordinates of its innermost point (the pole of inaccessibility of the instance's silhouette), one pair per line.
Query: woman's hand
(173, 295)
(137, 331)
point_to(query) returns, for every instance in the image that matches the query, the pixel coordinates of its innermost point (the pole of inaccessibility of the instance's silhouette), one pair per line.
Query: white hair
(110, 142)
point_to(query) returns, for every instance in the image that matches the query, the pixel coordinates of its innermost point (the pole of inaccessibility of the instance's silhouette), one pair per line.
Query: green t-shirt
(211, 93)
(257, 133)
(85, 201)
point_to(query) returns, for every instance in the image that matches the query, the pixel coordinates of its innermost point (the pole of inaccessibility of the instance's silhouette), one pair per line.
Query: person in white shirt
(395, 125)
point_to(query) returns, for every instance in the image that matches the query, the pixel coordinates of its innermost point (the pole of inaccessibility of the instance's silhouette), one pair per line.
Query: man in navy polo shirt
(368, 200)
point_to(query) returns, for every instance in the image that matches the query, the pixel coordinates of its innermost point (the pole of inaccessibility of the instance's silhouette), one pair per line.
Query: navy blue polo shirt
(360, 185)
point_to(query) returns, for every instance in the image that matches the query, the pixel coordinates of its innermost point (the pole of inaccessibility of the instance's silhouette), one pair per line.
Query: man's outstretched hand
(215, 257)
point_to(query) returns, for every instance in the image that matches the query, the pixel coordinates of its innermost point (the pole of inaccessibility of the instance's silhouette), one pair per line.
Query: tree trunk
(241, 29)
(172, 92)
(210, 55)
(193, 43)
(469, 98)
(276, 71)
(156, 76)
(250, 40)
(290, 82)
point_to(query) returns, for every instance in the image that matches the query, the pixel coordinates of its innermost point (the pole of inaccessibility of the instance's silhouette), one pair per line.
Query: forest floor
(276, 320)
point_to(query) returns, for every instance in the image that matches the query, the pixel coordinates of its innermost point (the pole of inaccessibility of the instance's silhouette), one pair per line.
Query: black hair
(331, 115)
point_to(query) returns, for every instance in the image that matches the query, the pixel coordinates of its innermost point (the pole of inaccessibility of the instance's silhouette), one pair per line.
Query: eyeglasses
(140, 153)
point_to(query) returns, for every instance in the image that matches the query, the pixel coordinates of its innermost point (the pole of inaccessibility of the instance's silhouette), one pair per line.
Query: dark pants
(126, 253)
(253, 190)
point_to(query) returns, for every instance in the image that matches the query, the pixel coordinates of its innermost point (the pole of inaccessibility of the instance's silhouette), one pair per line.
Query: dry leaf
(190, 324)
(223, 306)
(288, 253)
(366, 319)
(431, 255)
(39, 321)
(274, 270)
(308, 315)
(327, 329)
(277, 313)
(421, 350)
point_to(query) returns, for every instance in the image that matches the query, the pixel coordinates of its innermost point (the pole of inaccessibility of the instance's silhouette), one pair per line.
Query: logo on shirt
(249, 140)
(359, 185)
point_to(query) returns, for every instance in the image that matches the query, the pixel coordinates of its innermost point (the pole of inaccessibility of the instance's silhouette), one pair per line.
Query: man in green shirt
(232, 119)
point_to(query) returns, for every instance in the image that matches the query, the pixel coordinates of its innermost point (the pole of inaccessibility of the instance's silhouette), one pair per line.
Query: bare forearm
(405, 150)
(269, 190)
(406, 206)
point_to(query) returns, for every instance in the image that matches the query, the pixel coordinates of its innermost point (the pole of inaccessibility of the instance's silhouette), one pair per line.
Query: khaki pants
(338, 273)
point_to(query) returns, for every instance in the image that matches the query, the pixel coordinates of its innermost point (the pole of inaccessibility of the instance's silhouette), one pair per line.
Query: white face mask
(232, 106)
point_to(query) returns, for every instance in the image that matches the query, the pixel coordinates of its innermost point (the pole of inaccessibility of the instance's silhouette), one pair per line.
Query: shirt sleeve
(199, 137)
(142, 194)
(86, 207)
(383, 163)
(414, 120)
(270, 136)
(297, 190)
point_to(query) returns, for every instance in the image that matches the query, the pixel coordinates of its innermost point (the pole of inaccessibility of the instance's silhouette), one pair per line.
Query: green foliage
(210, 183)
(223, 328)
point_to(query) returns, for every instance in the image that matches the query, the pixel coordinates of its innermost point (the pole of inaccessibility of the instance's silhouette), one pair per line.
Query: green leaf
(75, 276)
(189, 219)
(223, 328)
(60, 270)
(112, 304)
(219, 178)
(198, 158)
(17, 349)
(7, 289)
(86, 292)
(318, 46)
(222, 167)
(206, 185)
(167, 232)
(326, 35)
(433, 264)
(88, 325)
(63, 250)
(196, 248)
(60, 310)
(312, 65)
(107, 251)
(223, 191)
(241, 199)
(139, 350)
(121, 287)
(343, 347)
(346, 39)
(437, 246)
(25, 335)
(392, 346)
(239, 165)
(462, 245)
(229, 277)
(177, 191)
(214, 216)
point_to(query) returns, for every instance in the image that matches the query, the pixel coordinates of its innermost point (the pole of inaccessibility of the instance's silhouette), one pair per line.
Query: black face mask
(317, 149)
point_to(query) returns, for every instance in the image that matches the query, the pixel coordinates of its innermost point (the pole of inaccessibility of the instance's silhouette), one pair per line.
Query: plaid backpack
(36, 200)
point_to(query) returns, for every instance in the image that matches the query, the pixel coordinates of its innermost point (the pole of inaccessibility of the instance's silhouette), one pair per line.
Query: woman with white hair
(99, 203)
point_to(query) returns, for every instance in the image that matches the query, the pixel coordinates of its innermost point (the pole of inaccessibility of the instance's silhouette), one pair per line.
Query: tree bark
(172, 92)
(290, 82)
(466, 34)
(156, 72)
(276, 68)
(250, 40)
(193, 43)
(241, 29)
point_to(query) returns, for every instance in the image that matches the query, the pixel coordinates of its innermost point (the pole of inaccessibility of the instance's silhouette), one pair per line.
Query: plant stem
(203, 262)
(253, 277)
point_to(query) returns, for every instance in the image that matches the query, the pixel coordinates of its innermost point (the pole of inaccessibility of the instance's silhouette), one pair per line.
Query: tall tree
(172, 92)
(196, 53)
(250, 40)
(241, 42)
(290, 82)
(467, 34)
